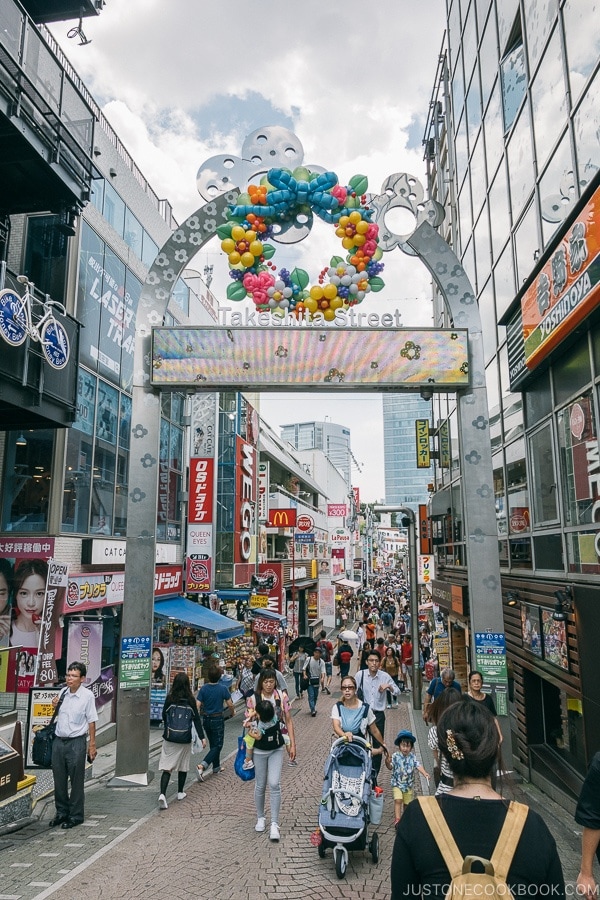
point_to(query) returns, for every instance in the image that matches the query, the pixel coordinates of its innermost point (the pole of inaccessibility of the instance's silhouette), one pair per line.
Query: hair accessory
(453, 748)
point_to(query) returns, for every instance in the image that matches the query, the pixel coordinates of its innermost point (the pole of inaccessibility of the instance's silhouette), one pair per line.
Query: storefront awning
(266, 614)
(345, 582)
(232, 595)
(186, 611)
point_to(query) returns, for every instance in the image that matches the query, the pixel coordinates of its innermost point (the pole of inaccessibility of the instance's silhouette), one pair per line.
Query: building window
(46, 256)
(543, 477)
(27, 479)
(168, 522)
(513, 77)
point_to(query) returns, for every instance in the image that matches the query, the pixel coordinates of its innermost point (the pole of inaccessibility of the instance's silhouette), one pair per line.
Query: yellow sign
(444, 445)
(259, 601)
(423, 455)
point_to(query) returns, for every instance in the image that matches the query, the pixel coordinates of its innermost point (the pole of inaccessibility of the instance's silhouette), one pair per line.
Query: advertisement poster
(29, 575)
(39, 714)
(159, 680)
(530, 628)
(84, 643)
(134, 671)
(50, 629)
(8, 670)
(554, 641)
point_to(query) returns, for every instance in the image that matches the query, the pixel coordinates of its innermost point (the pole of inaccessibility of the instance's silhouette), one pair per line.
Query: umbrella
(370, 594)
(348, 635)
(305, 641)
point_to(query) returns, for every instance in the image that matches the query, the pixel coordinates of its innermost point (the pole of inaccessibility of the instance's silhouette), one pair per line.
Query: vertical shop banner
(263, 491)
(444, 445)
(356, 493)
(424, 530)
(422, 437)
(245, 501)
(490, 660)
(200, 528)
(425, 569)
(50, 645)
(84, 643)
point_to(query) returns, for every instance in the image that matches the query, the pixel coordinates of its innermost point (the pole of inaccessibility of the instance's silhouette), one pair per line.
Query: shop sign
(565, 291)
(203, 425)
(245, 496)
(263, 491)
(50, 644)
(200, 501)
(305, 524)
(422, 436)
(168, 580)
(304, 538)
(266, 626)
(282, 518)
(425, 568)
(444, 444)
(134, 671)
(356, 494)
(258, 601)
(519, 519)
(337, 510)
(451, 597)
(27, 548)
(424, 529)
(339, 536)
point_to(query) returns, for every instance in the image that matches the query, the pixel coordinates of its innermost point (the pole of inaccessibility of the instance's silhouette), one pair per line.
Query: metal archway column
(133, 705)
(485, 595)
(417, 686)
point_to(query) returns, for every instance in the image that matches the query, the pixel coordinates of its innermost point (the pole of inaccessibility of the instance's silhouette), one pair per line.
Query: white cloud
(183, 81)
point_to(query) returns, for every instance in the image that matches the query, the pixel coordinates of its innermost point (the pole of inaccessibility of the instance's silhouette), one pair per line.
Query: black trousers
(380, 722)
(68, 765)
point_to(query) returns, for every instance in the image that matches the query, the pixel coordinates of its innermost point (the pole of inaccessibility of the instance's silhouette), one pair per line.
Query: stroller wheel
(321, 850)
(341, 861)
(374, 847)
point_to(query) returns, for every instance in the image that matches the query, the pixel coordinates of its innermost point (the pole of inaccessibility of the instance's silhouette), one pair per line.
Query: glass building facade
(405, 483)
(512, 150)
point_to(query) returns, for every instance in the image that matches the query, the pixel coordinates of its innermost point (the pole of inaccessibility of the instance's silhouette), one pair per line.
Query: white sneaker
(248, 764)
(181, 795)
(261, 824)
(274, 833)
(162, 801)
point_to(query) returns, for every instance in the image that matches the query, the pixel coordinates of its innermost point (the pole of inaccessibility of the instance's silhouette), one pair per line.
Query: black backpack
(272, 737)
(322, 645)
(178, 723)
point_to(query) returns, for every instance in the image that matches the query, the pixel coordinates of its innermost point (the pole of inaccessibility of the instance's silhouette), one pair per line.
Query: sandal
(200, 773)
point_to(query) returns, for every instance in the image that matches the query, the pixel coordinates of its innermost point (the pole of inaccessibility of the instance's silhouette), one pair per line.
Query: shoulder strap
(510, 835)
(442, 834)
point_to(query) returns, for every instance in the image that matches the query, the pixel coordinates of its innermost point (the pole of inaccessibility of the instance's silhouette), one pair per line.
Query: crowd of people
(463, 735)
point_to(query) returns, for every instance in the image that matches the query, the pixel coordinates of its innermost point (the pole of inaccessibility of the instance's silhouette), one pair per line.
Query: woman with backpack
(179, 714)
(480, 822)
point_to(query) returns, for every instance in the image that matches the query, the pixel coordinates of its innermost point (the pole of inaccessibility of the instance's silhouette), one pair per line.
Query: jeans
(297, 677)
(215, 733)
(313, 693)
(267, 768)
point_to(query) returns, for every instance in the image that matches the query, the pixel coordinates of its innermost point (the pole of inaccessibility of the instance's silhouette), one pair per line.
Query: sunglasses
(348, 687)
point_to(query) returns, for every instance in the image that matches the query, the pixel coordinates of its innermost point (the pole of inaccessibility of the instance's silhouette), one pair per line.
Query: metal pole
(414, 596)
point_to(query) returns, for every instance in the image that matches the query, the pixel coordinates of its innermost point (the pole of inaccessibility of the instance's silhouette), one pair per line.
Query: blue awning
(194, 614)
(231, 595)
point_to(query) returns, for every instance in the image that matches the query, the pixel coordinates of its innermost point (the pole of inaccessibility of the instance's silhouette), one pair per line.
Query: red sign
(245, 496)
(282, 518)
(168, 580)
(519, 518)
(265, 626)
(305, 524)
(200, 506)
(336, 510)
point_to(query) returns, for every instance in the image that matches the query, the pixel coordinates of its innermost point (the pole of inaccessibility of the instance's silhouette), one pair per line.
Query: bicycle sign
(17, 323)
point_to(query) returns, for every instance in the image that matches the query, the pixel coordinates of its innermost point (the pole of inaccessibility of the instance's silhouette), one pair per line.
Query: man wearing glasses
(372, 685)
(436, 686)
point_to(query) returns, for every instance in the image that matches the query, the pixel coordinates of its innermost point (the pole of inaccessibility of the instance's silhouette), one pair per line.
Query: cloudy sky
(181, 81)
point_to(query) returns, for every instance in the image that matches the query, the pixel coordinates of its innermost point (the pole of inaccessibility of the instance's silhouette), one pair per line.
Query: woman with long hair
(268, 752)
(175, 755)
(442, 772)
(29, 592)
(475, 815)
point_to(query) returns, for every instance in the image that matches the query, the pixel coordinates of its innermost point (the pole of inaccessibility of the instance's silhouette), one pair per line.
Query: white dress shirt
(76, 711)
(370, 685)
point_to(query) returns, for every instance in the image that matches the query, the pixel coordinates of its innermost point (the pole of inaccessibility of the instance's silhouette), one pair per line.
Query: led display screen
(310, 358)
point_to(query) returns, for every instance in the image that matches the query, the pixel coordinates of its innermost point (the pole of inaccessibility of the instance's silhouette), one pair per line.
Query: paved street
(205, 847)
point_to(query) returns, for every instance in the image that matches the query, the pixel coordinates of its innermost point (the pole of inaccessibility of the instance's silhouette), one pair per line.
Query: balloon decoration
(283, 198)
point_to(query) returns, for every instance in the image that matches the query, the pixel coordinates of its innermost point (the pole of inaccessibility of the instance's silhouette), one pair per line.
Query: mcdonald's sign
(282, 518)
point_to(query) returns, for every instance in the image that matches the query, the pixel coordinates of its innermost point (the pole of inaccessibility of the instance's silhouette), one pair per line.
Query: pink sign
(85, 645)
(336, 510)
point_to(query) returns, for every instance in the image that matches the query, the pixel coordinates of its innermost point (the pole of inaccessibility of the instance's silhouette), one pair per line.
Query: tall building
(332, 439)
(405, 483)
(513, 154)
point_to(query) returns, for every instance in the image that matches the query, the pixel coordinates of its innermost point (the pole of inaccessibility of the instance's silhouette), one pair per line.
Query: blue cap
(405, 736)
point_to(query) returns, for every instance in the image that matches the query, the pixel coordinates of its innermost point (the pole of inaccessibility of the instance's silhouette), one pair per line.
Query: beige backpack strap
(510, 835)
(442, 835)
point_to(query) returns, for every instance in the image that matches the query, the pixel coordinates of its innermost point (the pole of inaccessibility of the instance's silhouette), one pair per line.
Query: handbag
(238, 765)
(43, 740)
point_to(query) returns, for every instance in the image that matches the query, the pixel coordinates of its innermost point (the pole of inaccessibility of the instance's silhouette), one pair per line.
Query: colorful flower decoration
(278, 201)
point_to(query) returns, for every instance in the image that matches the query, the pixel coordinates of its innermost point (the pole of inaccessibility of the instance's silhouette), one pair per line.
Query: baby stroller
(344, 808)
